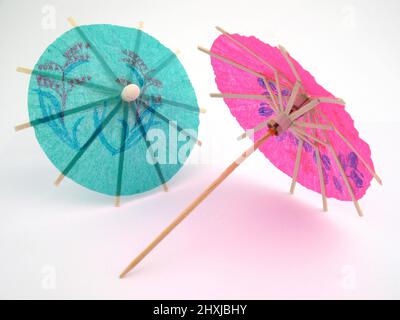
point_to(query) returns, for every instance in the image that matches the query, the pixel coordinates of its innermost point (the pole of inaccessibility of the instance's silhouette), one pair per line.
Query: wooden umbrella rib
(304, 133)
(302, 137)
(296, 165)
(303, 110)
(321, 180)
(251, 132)
(271, 94)
(168, 121)
(87, 144)
(172, 103)
(136, 44)
(243, 96)
(121, 159)
(231, 62)
(330, 100)
(278, 88)
(248, 70)
(319, 167)
(263, 61)
(163, 64)
(138, 39)
(254, 54)
(372, 172)
(291, 65)
(311, 105)
(346, 181)
(343, 174)
(63, 114)
(156, 165)
(99, 56)
(313, 125)
(247, 49)
(238, 96)
(66, 79)
(292, 97)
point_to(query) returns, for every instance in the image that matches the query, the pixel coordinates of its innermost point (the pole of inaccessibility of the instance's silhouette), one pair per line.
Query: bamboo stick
(62, 114)
(278, 88)
(248, 70)
(238, 96)
(292, 97)
(196, 202)
(372, 172)
(254, 54)
(344, 176)
(233, 63)
(303, 110)
(66, 79)
(320, 173)
(290, 63)
(313, 125)
(346, 181)
(251, 132)
(304, 133)
(296, 166)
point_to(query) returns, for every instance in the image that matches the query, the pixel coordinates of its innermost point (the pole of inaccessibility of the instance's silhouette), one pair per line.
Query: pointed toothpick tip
(202, 110)
(24, 70)
(22, 126)
(220, 29)
(72, 22)
(140, 25)
(165, 187)
(358, 208)
(123, 274)
(203, 49)
(117, 201)
(58, 180)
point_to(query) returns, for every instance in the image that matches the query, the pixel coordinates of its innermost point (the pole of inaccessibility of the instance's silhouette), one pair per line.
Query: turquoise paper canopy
(93, 136)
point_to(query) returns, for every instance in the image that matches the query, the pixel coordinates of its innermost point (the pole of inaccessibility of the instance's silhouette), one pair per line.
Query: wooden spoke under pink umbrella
(311, 136)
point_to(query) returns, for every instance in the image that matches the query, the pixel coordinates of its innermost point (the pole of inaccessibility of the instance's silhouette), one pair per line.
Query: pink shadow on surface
(248, 241)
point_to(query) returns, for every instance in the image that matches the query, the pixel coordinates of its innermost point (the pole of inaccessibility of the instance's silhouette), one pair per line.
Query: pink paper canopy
(352, 152)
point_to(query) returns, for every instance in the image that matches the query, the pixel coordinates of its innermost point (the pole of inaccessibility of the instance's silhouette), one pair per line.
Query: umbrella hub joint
(130, 93)
(280, 123)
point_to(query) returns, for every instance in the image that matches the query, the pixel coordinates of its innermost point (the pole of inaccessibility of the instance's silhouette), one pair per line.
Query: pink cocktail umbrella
(312, 137)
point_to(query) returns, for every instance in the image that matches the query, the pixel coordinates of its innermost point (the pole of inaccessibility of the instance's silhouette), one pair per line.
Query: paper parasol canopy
(318, 146)
(310, 135)
(113, 109)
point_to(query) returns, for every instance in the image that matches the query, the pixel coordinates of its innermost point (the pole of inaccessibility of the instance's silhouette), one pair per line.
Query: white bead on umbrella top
(130, 93)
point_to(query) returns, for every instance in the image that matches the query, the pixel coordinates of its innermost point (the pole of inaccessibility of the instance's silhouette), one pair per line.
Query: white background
(250, 239)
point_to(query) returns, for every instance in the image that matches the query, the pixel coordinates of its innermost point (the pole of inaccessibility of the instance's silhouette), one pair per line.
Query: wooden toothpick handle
(197, 201)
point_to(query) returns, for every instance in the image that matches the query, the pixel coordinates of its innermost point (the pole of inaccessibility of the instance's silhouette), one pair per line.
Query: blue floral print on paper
(264, 110)
(53, 93)
(350, 166)
(138, 75)
(53, 96)
(349, 162)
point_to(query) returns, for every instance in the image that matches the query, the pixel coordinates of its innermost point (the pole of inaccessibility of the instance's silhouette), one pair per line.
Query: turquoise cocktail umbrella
(113, 109)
